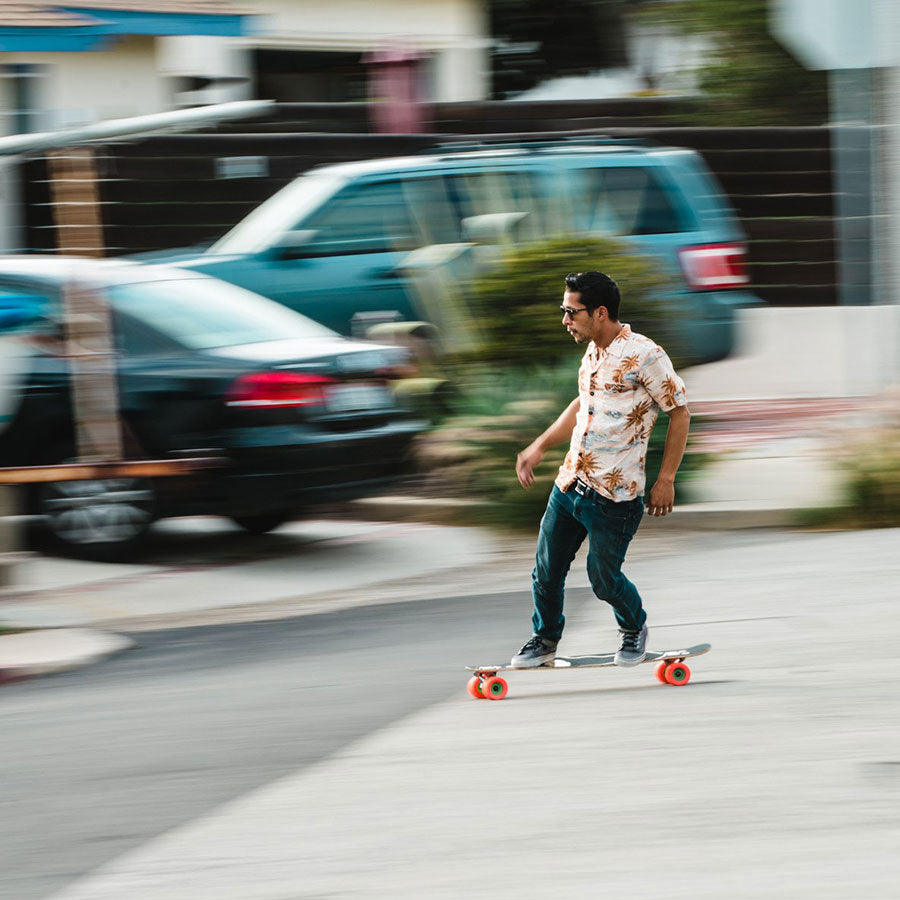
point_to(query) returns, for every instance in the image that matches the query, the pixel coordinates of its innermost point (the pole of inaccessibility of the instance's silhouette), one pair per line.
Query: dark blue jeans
(569, 519)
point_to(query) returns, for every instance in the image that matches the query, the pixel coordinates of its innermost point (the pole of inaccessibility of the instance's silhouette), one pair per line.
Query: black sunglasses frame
(571, 313)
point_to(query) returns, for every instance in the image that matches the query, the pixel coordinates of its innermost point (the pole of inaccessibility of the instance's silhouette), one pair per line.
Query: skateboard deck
(487, 683)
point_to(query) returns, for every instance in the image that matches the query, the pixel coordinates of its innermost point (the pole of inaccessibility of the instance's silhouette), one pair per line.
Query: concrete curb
(29, 654)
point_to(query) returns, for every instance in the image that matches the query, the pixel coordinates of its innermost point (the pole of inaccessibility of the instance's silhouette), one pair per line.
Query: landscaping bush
(874, 481)
(872, 485)
(515, 306)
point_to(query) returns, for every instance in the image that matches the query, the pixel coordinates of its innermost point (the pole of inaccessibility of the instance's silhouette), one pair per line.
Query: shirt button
(592, 393)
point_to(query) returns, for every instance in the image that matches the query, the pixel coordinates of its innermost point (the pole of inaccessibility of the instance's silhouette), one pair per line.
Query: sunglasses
(571, 313)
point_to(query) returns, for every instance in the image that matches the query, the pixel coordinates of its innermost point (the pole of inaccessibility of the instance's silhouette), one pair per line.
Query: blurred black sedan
(299, 414)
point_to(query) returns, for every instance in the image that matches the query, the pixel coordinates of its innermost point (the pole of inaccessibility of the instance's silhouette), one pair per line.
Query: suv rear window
(626, 200)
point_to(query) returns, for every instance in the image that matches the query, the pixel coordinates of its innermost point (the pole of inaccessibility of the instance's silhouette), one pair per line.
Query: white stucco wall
(210, 57)
(455, 32)
(134, 76)
(888, 230)
(787, 353)
(77, 88)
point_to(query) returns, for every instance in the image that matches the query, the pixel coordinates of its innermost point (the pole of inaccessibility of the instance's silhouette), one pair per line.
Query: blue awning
(82, 26)
(39, 40)
(166, 23)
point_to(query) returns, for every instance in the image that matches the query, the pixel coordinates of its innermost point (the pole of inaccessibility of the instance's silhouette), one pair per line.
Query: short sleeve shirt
(621, 390)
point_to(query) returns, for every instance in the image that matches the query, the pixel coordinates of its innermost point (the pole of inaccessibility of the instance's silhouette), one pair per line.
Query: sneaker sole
(629, 663)
(532, 663)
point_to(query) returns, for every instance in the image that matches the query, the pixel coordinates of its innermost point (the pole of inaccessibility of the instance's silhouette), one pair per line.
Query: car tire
(263, 523)
(105, 519)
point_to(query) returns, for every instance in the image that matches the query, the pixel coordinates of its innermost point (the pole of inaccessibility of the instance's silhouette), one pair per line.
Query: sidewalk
(770, 775)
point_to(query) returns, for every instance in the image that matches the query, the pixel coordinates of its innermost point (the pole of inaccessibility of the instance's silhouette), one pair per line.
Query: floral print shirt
(621, 390)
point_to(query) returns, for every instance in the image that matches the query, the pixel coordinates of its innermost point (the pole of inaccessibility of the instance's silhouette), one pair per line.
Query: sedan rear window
(204, 313)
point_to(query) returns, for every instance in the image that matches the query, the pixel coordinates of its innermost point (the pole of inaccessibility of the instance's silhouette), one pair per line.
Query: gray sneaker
(632, 647)
(535, 653)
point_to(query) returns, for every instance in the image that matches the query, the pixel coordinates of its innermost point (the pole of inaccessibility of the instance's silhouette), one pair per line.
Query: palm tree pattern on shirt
(635, 418)
(628, 364)
(612, 480)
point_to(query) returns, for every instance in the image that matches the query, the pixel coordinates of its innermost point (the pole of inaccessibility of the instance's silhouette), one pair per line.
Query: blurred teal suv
(343, 243)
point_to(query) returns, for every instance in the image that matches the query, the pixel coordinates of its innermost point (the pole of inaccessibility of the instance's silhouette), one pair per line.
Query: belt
(585, 490)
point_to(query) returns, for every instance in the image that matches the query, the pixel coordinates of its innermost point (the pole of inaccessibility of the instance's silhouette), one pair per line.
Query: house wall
(453, 33)
(78, 88)
(209, 57)
(135, 75)
(805, 353)
(888, 233)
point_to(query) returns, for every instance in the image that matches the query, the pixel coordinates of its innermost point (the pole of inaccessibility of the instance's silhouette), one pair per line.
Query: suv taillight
(714, 267)
(278, 390)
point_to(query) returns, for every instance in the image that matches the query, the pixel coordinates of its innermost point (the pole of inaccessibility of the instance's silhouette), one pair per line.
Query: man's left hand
(662, 498)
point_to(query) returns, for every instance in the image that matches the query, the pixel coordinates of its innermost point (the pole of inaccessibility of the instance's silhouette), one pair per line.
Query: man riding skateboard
(623, 382)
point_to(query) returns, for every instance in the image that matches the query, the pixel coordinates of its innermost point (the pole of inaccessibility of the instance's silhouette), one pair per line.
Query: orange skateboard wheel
(474, 687)
(661, 672)
(678, 673)
(494, 688)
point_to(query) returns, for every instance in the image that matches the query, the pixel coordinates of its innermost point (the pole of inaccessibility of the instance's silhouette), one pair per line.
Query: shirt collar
(595, 354)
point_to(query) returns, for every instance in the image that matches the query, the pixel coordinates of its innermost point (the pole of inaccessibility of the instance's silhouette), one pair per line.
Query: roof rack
(537, 144)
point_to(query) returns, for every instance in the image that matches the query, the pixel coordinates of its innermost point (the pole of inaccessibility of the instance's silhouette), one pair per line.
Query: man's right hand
(526, 462)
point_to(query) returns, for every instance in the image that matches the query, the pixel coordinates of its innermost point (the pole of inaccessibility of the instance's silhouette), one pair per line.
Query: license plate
(350, 397)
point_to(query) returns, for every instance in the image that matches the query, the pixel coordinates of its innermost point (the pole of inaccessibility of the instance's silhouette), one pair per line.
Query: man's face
(578, 321)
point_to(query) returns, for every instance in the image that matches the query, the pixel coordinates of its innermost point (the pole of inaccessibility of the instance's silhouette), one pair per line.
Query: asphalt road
(338, 755)
(100, 760)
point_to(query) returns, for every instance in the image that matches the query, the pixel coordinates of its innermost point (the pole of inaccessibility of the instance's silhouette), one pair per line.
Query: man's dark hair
(596, 289)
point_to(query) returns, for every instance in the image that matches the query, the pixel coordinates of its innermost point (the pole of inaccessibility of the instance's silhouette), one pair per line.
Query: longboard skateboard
(487, 684)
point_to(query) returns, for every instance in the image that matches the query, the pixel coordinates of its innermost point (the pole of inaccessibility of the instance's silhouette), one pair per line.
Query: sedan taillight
(278, 390)
(714, 267)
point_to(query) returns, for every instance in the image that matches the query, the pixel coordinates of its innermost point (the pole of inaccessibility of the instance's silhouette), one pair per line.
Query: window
(203, 313)
(626, 200)
(134, 339)
(440, 204)
(279, 214)
(370, 217)
(480, 193)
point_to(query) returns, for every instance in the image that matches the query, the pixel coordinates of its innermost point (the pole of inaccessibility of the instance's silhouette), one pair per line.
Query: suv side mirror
(294, 244)
(494, 228)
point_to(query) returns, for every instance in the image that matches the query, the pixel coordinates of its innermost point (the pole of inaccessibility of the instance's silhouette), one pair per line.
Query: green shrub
(515, 306)
(872, 486)
(874, 483)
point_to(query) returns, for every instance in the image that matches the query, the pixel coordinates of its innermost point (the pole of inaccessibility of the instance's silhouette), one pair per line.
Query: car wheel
(262, 523)
(103, 519)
